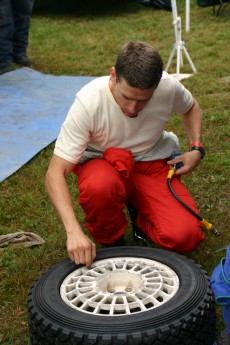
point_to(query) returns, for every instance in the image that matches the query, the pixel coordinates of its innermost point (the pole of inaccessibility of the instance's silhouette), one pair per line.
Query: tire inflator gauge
(206, 224)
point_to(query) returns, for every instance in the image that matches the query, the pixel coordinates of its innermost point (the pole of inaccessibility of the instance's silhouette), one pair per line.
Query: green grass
(82, 38)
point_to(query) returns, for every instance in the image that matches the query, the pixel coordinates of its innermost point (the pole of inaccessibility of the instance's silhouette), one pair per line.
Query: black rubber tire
(186, 319)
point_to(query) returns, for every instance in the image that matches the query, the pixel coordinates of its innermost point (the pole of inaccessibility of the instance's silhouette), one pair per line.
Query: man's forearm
(60, 197)
(80, 248)
(192, 121)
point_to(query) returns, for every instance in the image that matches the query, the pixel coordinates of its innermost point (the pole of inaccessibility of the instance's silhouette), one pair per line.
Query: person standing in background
(14, 32)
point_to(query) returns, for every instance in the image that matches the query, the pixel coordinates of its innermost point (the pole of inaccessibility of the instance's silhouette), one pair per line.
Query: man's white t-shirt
(95, 122)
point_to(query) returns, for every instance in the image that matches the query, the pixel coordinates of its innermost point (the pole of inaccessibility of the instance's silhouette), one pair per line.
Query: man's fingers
(84, 256)
(74, 257)
(93, 250)
(71, 255)
(90, 255)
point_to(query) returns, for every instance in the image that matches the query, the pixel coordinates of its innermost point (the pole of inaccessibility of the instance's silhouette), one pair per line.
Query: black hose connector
(215, 232)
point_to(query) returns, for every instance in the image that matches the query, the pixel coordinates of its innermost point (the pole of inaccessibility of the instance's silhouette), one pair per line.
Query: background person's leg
(6, 36)
(103, 199)
(22, 10)
(160, 216)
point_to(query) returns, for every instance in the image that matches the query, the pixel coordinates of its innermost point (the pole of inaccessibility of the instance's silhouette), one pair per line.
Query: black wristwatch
(200, 149)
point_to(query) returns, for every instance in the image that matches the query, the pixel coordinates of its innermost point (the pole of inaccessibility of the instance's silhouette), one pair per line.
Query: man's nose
(133, 107)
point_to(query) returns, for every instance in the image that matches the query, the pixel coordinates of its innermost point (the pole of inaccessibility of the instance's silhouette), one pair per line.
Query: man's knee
(181, 239)
(99, 183)
(178, 236)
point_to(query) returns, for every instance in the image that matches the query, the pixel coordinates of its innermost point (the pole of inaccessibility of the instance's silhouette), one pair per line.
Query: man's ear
(113, 75)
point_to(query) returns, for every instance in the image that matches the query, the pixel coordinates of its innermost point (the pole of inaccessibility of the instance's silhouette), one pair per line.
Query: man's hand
(81, 249)
(190, 161)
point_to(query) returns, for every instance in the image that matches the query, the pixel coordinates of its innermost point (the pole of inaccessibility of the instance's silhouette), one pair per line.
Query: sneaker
(6, 68)
(23, 61)
(138, 235)
(119, 243)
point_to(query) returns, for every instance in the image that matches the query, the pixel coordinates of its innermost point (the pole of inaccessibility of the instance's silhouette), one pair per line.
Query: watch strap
(198, 148)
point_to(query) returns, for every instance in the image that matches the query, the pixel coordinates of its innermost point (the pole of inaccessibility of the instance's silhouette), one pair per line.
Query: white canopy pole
(187, 16)
(179, 46)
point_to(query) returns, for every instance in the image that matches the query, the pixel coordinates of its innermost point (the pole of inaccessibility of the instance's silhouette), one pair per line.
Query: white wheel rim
(119, 286)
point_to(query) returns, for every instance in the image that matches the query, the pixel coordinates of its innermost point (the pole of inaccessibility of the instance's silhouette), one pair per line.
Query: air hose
(207, 225)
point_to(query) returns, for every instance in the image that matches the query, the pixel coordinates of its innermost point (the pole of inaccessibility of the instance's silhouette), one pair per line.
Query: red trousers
(107, 185)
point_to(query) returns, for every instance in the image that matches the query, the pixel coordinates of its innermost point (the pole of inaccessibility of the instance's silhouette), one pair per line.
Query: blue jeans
(14, 29)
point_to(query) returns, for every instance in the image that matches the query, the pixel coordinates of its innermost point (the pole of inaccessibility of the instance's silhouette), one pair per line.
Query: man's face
(131, 100)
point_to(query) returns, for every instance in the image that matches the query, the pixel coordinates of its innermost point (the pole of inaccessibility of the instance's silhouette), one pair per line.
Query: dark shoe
(23, 61)
(6, 68)
(119, 243)
(137, 233)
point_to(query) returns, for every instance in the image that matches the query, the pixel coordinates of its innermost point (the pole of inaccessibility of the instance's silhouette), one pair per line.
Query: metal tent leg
(179, 46)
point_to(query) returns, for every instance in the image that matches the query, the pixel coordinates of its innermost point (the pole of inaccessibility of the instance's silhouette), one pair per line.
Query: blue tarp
(220, 283)
(33, 106)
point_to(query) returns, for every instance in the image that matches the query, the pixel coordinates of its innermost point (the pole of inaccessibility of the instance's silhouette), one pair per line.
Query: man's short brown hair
(139, 64)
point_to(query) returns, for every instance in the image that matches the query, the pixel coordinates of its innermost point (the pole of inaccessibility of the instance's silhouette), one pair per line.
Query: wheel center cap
(119, 282)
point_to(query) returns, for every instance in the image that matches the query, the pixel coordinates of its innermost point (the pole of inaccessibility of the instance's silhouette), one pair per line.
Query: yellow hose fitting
(207, 225)
(171, 173)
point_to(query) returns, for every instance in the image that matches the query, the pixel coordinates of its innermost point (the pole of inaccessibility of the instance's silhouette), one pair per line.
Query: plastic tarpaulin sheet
(220, 283)
(33, 106)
